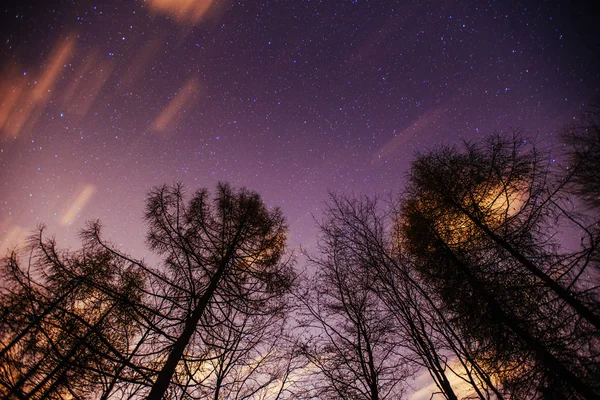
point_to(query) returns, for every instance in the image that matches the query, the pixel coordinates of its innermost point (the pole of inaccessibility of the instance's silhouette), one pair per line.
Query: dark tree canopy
(476, 223)
(67, 319)
(219, 253)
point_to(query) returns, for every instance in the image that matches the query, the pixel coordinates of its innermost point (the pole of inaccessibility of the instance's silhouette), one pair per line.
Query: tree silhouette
(227, 251)
(99, 323)
(463, 276)
(360, 239)
(584, 157)
(66, 320)
(352, 345)
(475, 222)
(582, 184)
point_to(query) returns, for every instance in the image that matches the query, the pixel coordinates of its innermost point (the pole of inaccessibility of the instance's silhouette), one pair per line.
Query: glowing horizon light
(14, 237)
(457, 378)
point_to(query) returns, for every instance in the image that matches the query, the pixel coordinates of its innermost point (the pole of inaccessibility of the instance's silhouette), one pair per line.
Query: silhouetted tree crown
(224, 251)
(476, 222)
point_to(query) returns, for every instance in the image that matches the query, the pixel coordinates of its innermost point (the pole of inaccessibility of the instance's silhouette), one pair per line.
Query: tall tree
(223, 251)
(352, 346)
(358, 235)
(99, 319)
(476, 224)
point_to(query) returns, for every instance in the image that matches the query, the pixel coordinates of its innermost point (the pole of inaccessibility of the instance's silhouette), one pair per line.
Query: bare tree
(352, 345)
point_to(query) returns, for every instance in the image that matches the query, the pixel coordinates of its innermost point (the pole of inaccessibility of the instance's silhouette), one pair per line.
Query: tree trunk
(564, 294)
(37, 320)
(163, 380)
(555, 367)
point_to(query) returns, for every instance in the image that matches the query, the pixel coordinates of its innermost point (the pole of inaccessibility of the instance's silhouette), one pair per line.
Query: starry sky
(102, 100)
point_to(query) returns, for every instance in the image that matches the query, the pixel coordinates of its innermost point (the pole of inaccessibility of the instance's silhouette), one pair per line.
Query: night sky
(100, 101)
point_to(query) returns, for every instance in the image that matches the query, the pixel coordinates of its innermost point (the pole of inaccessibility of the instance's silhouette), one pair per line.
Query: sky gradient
(100, 101)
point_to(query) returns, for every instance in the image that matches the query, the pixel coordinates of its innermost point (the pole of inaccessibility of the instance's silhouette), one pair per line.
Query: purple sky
(102, 100)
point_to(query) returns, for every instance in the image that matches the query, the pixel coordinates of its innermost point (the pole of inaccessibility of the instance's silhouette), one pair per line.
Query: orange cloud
(183, 11)
(79, 203)
(58, 59)
(24, 98)
(11, 88)
(88, 81)
(176, 107)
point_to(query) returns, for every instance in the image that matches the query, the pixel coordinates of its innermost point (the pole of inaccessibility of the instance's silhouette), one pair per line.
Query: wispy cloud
(78, 204)
(416, 129)
(177, 107)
